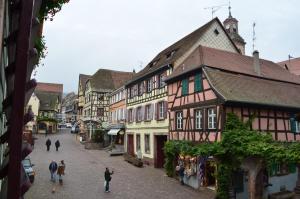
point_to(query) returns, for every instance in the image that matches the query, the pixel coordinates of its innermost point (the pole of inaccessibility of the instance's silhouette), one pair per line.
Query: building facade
(215, 83)
(81, 95)
(69, 107)
(97, 91)
(147, 118)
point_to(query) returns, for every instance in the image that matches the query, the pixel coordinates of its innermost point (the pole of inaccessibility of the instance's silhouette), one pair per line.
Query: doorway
(130, 147)
(159, 159)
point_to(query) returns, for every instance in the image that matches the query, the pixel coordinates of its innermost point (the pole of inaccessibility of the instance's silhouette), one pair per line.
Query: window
(212, 118)
(130, 115)
(161, 110)
(140, 89)
(198, 119)
(147, 112)
(147, 143)
(100, 112)
(139, 114)
(179, 123)
(282, 169)
(185, 86)
(138, 142)
(295, 126)
(161, 82)
(149, 85)
(198, 82)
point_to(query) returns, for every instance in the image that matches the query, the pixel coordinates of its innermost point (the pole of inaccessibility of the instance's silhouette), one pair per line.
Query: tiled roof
(292, 64)
(49, 87)
(107, 80)
(236, 63)
(47, 100)
(83, 78)
(175, 51)
(247, 89)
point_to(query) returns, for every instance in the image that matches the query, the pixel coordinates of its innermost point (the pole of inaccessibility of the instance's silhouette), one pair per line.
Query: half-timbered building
(211, 83)
(81, 94)
(147, 120)
(97, 90)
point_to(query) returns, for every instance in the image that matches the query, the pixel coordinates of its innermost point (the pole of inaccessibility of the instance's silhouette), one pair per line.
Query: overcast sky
(125, 34)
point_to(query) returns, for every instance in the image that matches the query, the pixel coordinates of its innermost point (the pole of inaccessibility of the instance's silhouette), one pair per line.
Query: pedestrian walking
(53, 169)
(181, 174)
(107, 177)
(48, 143)
(57, 145)
(61, 171)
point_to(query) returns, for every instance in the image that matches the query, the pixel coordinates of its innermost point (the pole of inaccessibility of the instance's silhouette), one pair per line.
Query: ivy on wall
(238, 143)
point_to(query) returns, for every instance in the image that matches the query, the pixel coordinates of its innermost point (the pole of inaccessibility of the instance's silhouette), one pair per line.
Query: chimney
(256, 63)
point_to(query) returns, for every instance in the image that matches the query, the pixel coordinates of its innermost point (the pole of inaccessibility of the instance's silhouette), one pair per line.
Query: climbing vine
(238, 143)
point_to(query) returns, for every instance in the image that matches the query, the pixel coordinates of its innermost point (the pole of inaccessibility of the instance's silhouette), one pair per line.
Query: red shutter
(165, 109)
(156, 111)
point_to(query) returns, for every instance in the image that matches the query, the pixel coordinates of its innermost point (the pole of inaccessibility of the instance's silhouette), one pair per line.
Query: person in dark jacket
(48, 143)
(57, 144)
(181, 174)
(53, 169)
(107, 177)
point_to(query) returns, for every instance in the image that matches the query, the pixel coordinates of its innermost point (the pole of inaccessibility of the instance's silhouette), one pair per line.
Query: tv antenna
(215, 9)
(253, 36)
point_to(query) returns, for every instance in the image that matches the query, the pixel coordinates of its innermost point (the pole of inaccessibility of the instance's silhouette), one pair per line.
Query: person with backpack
(107, 177)
(53, 169)
(57, 145)
(48, 143)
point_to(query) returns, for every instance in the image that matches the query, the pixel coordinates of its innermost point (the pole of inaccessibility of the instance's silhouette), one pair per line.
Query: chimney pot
(256, 63)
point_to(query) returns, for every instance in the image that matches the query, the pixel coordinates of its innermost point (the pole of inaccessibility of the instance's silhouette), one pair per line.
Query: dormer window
(170, 54)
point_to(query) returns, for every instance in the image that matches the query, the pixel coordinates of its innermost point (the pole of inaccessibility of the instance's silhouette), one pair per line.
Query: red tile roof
(49, 87)
(236, 63)
(293, 65)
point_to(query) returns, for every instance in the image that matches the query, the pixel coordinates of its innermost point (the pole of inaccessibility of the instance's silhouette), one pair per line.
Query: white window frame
(148, 143)
(297, 129)
(198, 119)
(211, 118)
(161, 110)
(139, 113)
(179, 120)
(147, 112)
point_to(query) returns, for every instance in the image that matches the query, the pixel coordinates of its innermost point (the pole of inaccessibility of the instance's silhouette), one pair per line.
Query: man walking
(52, 169)
(48, 143)
(107, 177)
(57, 144)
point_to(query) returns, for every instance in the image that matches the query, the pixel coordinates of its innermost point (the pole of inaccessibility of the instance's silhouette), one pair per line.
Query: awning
(113, 131)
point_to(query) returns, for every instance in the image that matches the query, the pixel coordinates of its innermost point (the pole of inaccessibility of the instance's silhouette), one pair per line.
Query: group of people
(48, 144)
(57, 169)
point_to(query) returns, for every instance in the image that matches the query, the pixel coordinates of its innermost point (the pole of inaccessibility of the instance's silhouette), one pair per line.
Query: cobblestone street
(84, 175)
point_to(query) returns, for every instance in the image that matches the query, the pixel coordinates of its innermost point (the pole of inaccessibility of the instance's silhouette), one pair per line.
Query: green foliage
(46, 119)
(49, 8)
(98, 136)
(238, 143)
(40, 45)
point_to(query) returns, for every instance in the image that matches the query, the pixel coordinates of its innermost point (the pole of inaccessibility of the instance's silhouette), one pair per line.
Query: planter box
(282, 195)
(133, 160)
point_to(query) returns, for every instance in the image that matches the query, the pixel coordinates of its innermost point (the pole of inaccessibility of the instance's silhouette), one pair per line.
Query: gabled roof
(235, 63)
(293, 65)
(49, 87)
(48, 100)
(82, 79)
(105, 80)
(237, 88)
(169, 55)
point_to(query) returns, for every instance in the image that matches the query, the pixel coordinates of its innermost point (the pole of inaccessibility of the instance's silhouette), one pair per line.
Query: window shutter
(165, 109)
(156, 111)
(151, 112)
(145, 113)
(293, 123)
(185, 87)
(198, 82)
(133, 114)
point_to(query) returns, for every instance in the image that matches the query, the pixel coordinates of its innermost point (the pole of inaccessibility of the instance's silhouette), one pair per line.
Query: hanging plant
(50, 7)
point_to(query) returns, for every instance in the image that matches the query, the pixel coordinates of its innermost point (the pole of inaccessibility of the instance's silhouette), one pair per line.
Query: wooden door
(130, 147)
(159, 159)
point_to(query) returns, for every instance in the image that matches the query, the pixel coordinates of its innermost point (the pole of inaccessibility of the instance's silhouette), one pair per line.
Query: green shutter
(293, 124)
(198, 82)
(273, 169)
(185, 86)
